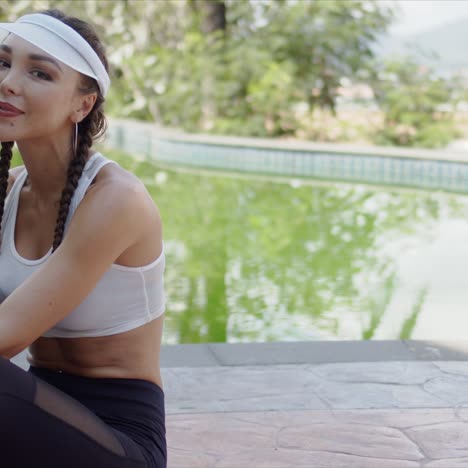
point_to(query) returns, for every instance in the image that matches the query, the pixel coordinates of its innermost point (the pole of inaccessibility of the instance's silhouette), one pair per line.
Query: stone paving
(387, 414)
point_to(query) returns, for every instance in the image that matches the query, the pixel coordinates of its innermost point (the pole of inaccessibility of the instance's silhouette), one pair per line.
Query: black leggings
(56, 419)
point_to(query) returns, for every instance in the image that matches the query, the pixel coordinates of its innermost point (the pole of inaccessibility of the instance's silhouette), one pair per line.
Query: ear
(84, 105)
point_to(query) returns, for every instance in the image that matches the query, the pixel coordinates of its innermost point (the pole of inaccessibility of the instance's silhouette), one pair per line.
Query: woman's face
(42, 88)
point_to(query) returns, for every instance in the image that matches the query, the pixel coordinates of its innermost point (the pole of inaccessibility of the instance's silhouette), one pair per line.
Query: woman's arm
(109, 219)
(12, 174)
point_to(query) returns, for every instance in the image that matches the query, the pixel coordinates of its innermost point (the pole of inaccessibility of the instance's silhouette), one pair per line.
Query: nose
(8, 84)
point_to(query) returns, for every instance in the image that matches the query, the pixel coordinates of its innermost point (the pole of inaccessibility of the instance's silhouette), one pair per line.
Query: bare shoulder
(114, 180)
(13, 174)
(117, 193)
(116, 174)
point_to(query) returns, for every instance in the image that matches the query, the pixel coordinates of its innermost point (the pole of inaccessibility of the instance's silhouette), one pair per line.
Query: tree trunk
(214, 16)
(213, 19)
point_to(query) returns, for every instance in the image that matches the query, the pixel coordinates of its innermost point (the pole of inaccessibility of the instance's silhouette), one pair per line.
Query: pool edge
(311, 352)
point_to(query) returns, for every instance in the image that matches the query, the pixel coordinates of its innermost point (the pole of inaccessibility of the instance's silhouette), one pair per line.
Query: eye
(3, 63)
(40, 74)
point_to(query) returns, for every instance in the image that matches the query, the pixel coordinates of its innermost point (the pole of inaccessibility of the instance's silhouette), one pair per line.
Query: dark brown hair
(91, 127)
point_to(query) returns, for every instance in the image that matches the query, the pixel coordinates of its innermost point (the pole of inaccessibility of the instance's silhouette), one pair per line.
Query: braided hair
(90, 128)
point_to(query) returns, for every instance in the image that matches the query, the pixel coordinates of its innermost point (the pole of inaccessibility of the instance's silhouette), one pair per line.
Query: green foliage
(16, 159)
(410, 323)
(272, 55)
(418, 106)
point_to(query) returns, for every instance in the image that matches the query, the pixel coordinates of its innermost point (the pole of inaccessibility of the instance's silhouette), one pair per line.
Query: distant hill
(446, 45)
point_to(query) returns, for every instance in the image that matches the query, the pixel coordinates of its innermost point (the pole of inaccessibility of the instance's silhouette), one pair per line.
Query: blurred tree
(203, 64)
(418, 106)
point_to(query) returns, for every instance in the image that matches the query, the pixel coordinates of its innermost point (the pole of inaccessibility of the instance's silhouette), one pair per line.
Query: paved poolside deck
(333, 404)
(369, 404)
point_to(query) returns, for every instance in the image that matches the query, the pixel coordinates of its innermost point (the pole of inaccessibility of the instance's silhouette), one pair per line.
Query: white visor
(61, 42)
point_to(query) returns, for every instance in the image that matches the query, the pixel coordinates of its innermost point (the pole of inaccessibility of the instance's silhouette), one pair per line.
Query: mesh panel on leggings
(59, 404)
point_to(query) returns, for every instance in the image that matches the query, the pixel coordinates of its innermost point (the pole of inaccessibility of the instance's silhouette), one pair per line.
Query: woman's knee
(16, 381)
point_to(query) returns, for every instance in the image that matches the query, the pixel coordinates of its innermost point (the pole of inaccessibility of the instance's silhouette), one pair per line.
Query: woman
(81, 265)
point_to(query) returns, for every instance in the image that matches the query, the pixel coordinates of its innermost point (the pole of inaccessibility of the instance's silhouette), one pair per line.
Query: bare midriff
(133, 354)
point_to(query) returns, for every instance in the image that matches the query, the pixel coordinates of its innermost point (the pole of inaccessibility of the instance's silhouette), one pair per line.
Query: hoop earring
(75, 141)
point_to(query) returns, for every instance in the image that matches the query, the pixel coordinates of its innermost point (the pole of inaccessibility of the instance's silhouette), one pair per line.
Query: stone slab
(338, 386)
(438, 350)
(239, 354)
(224, 389)
(391, 438)
(193, 355)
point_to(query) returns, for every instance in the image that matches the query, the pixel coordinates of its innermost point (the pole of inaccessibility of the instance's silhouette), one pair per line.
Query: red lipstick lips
(7, 110)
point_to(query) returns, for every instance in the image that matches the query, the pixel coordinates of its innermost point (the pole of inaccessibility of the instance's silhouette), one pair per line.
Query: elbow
(10, 352)
(12, 342)
(7, 354)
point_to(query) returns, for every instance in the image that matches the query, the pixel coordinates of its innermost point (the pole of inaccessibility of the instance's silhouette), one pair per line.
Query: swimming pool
(252, 259)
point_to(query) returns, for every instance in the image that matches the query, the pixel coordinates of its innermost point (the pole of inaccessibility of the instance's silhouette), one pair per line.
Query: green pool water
(251, 259)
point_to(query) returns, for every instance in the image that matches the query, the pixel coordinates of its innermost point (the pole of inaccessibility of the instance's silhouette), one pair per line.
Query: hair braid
(6, 154)
(75, 169)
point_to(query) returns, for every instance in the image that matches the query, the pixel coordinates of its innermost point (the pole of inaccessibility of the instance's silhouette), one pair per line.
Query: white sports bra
(123, 299)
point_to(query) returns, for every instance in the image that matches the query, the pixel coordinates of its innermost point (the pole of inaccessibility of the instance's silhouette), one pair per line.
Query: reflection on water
(256, 260)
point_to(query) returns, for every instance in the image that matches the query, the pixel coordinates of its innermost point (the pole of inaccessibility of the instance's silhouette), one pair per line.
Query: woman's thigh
(42, 426)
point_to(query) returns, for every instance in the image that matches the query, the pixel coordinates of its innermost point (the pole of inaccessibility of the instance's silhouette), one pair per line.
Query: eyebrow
(34, 56)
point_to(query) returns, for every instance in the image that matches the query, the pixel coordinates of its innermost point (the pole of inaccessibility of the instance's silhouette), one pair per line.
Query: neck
(47, 168)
